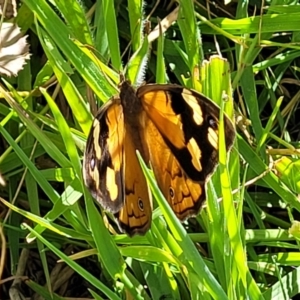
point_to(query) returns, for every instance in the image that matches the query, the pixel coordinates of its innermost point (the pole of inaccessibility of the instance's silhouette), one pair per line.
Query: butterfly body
(176, 132)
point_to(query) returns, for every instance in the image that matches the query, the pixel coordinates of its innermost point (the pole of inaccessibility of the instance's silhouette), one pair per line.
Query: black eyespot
(171, 192)
(212, 123)
(141, 204)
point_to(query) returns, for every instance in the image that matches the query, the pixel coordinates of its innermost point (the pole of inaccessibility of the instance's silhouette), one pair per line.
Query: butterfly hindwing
(184, 195)
(104, 157)
(135, 216)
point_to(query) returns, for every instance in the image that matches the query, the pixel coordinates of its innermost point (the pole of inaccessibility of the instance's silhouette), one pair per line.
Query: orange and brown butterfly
(175, 130)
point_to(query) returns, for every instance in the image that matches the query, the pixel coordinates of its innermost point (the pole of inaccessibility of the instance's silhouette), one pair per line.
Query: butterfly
(176, 132)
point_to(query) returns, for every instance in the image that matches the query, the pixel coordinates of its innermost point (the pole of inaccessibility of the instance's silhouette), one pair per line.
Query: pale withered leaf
(14, 49)
(9, 8)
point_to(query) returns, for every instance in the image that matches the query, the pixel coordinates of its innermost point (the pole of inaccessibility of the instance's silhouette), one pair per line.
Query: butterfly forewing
(104, 157)
(188, 123)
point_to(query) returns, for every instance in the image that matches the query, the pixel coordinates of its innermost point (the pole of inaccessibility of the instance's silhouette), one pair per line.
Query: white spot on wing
(196, 154)
(192, 102)
(212, 137)
(96, 134)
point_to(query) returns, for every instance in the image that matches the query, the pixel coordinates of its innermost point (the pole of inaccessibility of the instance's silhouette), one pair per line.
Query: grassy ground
(243, 244)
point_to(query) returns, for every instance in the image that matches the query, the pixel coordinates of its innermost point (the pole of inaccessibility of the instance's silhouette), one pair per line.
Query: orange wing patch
(136, 214)
(157, 104)
(184, 195)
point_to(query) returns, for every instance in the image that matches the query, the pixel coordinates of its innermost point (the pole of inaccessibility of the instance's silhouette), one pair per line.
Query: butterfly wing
(183, 140)
(104, 157)
(189, 125)
(136, 214)
(184, 195)
(112, 172)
